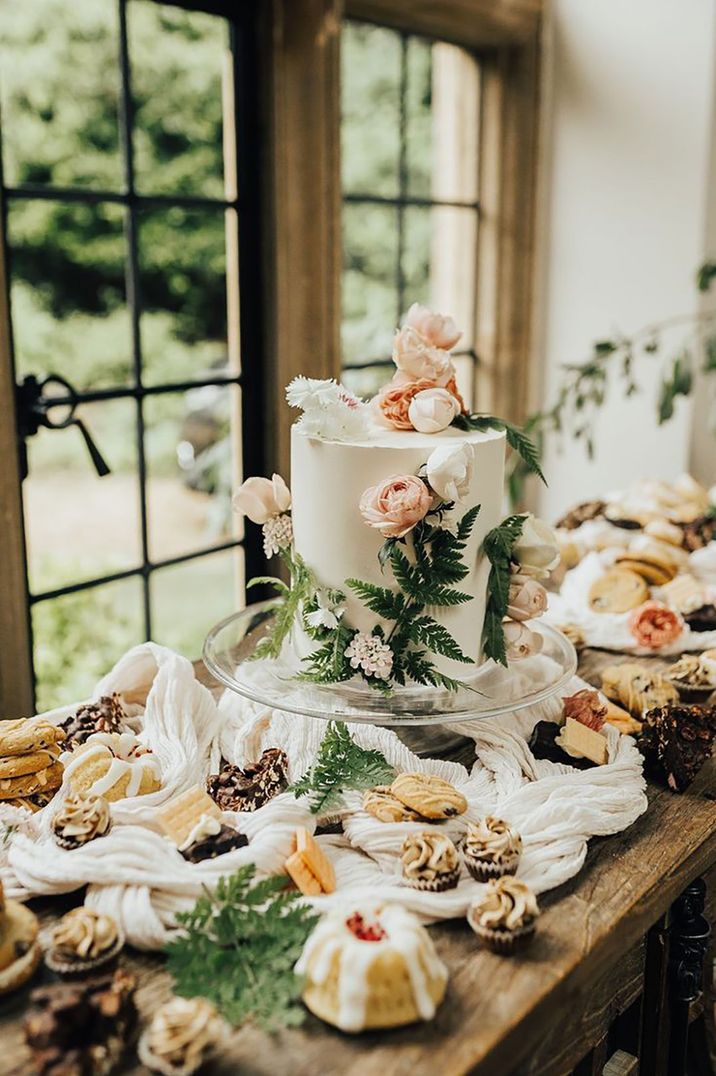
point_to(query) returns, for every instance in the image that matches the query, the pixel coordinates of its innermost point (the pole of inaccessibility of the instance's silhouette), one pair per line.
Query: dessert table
(570, 1003)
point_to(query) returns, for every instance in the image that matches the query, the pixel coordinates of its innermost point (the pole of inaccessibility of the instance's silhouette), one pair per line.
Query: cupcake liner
(483, 870)
(19, 971)
(504, 942)
(437, 885)
(72, 969)
(688, 693)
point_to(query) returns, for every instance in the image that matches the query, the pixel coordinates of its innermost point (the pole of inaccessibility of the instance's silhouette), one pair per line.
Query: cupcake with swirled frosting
(505, 917)
(491, 849)
(81, 818)
(183, 1035)
(430, 862)
(82, 941)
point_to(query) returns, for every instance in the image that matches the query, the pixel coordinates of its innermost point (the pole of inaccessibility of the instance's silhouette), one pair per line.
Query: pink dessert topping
(371, 932)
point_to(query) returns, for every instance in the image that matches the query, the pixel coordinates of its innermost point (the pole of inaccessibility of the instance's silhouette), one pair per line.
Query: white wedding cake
(402, 566)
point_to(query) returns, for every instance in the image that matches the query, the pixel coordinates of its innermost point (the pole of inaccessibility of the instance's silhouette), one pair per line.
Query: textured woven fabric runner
(138, 876)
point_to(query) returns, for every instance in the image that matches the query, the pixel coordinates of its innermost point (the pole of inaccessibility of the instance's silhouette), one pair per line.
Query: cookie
(622, 720)
(45, 780)
(182, 814)
(617, 591)
(652, 569)
(383, 805)
(663, 531)
(309, 867)
(636, 687)
(21, 950)
(684, 593)
(114, 765)
(25, 735)
(21, 765)
(581, 741)
(430, 796)
(580, 514)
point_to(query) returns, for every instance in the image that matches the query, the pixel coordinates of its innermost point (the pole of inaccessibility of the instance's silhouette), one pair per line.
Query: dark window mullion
(126, 126)
(35, 192)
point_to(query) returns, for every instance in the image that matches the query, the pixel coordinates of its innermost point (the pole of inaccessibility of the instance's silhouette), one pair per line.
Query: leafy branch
(239, 946)
(498, 546)
(301, 588)
(517, 439)
(341, 765)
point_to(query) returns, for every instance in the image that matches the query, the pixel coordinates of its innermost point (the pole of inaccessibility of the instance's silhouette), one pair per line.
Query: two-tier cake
(402, 567)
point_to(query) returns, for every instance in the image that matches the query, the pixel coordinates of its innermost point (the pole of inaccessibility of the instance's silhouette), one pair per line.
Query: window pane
(366, 382)
(418, 117)
(78, 525)
(465, 372)
(190, 449)
(188, 599)
(67, 292)
(183, 286)
(79, 637)
(370, 286)
(177, 61)
(439, 263)
(59, 92)
(370, 105)
(455, 124)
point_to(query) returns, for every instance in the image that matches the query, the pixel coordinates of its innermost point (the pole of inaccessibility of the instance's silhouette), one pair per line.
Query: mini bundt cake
(371, 966)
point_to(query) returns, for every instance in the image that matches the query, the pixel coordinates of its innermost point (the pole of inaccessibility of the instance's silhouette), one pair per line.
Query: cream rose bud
(449, 471)
(527, 598)
(520, 641)
(262, 498)
(395, 505)
(418, 359)
(437, 329)
(536, 550)
(432, 410)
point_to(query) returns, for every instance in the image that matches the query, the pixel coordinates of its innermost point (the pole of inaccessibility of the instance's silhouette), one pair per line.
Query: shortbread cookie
(183, 818)
(617, 591)
(684, 593)
(636, 687)
(20, 948)
(309, 867)
(33, 762)
(113, 765)
(580, 741)
(25, 735)
(383, 805)
(663, 531)
(653, 570)
(430, 796)
(46, 780)
(622, 720)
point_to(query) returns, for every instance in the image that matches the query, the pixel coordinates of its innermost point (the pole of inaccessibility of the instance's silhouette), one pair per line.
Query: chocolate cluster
(234, 789)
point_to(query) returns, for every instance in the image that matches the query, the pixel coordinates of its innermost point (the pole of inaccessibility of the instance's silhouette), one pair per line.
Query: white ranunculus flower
(536, 550)
(432, 410)
(449, 471)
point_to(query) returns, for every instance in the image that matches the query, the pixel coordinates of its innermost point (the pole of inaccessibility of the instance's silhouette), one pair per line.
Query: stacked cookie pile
(30, 770)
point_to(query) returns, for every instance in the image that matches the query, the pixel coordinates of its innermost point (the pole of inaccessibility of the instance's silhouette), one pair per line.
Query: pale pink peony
(655, 625)
(395, 505)
(439, 330)
(520, 641)
(414, 356)
(527, 598)
(262, 498)
(432, 410)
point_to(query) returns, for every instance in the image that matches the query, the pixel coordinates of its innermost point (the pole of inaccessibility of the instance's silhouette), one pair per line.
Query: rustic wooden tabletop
(539, 1012)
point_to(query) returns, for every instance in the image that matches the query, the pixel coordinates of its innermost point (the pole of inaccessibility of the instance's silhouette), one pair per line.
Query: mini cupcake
(430, 862)
(82, 941)
(692, 678)
(491, 849)
(708, 664)
(506, 916)
(183, 1035)
(80, 819)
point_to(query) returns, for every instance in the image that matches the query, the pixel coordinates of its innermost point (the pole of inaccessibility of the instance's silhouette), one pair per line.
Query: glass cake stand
(491, 690)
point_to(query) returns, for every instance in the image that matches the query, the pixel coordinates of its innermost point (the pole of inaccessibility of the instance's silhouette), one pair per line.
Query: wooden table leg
(654, 1031)
(688, 941)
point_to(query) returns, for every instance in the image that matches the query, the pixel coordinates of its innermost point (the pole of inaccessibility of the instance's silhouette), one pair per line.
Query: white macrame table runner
(610, 631)
(139, 877)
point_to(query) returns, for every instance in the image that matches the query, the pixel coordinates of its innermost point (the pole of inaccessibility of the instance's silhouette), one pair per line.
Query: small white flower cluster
(278, 534)
(371, 654)
(329, 410)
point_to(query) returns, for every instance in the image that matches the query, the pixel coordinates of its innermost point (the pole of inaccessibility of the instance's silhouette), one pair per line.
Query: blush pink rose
(262, 498)
(520, 641)
(655, 625)
(437, 329)
(527, 598)
(417, 358)
(395, 505)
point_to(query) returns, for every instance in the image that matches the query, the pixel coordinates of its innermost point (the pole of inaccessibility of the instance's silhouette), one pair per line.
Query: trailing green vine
(498, 546)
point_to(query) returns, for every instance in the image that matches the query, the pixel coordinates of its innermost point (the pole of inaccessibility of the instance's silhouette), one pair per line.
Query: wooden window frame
(302, 44)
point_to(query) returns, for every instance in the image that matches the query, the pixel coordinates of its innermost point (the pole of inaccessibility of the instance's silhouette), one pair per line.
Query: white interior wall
(629, 92)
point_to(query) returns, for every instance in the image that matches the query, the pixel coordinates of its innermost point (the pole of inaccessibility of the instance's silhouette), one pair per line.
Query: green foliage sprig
(341, 765)
(498, 546)
(517, 439)
(238, 949)
(293, 596)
